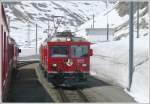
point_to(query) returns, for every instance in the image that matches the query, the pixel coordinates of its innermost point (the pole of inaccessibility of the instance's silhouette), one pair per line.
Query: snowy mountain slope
(101, 20)
(120, 24)
(74, 14)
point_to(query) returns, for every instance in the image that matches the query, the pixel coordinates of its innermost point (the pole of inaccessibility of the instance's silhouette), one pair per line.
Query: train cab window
(59, 51)
(79, 51)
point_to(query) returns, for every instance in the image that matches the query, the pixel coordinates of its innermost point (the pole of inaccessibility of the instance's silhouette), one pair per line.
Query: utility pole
(107, 20)
(56, 21)
(149, 30)
(28, 35)
(137, 19)
(36, 39)
(93, 20)
(9, 24)
(131, 41)
(48, 29)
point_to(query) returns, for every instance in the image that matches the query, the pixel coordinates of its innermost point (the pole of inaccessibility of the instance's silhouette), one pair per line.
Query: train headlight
(84, 65)
(54, 65)
(68, 39)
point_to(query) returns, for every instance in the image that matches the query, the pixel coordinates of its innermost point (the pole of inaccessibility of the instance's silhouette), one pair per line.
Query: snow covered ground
(27, 52)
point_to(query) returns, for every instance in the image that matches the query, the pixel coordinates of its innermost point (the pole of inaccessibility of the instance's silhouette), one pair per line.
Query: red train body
(65, 59)
(8, 54)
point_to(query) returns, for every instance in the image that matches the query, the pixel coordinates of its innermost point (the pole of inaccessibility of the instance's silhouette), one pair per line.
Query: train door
(2, 56)
(5, 57)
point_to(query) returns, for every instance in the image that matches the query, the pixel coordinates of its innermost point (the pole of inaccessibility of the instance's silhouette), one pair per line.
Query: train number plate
(80, 60)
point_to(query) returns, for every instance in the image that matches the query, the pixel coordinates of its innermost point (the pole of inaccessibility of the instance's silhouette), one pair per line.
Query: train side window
(4, 54)
(1, 29)
(2, 35)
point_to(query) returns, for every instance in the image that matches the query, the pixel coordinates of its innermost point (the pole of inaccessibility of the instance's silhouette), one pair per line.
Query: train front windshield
(76, 51)
(79, 51)
(59, 51)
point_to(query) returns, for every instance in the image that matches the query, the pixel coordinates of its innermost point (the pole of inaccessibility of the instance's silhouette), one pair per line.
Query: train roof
(64, 37)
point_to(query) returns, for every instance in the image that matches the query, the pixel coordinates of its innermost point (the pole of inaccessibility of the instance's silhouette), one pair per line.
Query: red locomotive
(65, 58)
(8, 54)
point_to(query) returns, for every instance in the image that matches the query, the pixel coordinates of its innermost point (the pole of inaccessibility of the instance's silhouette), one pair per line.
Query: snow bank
(110, 63)
(140, 85)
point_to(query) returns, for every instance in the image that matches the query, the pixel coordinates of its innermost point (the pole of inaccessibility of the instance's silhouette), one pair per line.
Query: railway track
(62, 94)
(75, 95)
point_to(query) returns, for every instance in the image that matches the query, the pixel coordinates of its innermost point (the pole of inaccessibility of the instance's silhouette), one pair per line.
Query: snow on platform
(28, 54)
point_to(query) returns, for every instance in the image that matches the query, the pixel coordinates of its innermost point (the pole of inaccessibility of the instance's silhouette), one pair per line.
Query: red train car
(65, 58)
(8, 54)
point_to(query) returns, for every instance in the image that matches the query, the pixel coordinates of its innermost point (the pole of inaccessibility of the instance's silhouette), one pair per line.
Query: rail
(72, 95)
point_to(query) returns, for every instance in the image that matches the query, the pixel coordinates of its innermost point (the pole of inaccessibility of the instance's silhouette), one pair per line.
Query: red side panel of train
(4, 48)
(8, 54)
